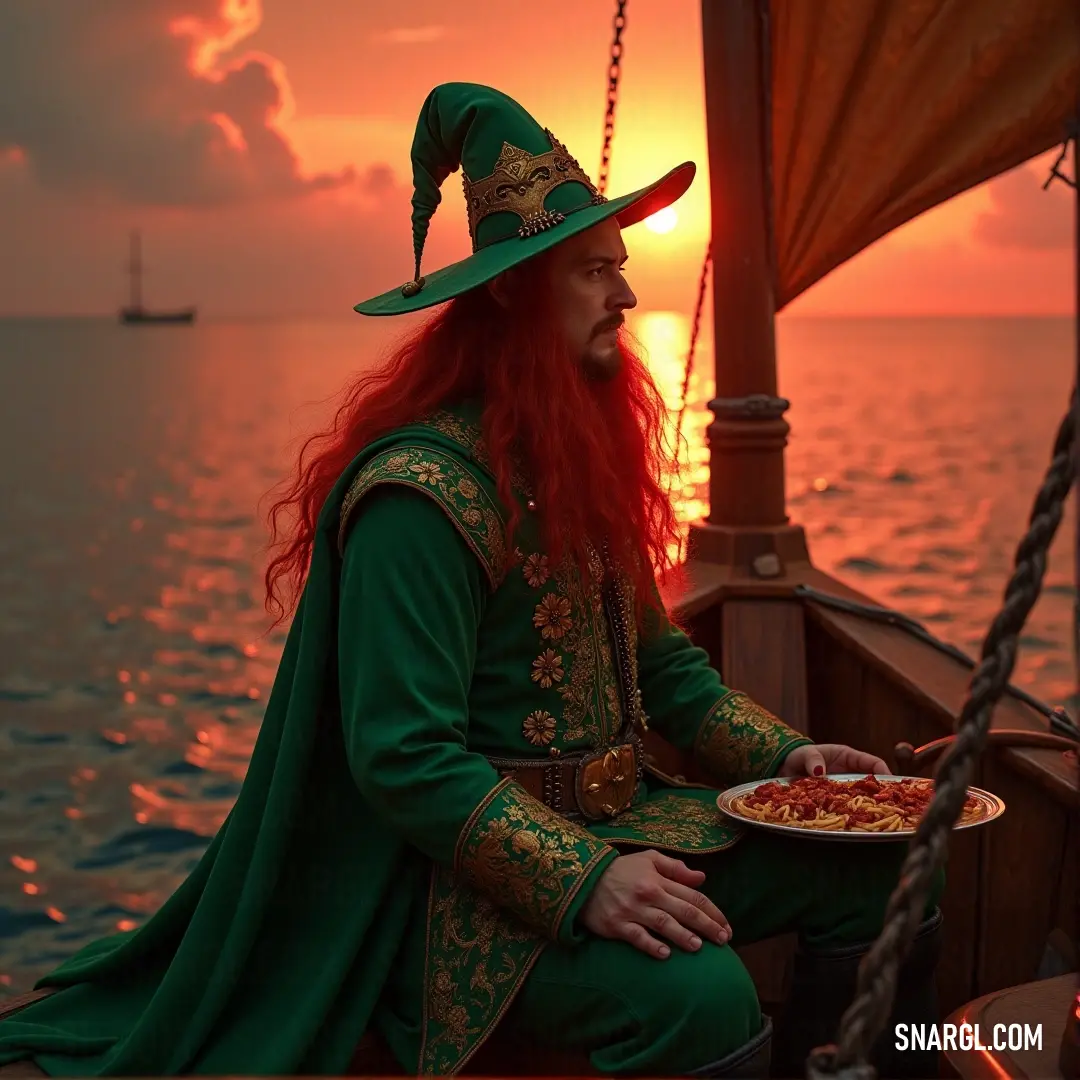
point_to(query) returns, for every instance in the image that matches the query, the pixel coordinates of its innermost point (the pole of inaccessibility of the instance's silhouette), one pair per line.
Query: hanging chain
(695, 330)
(612, 94)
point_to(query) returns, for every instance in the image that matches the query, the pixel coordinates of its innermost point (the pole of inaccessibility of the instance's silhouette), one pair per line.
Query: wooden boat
(802, 643)
(138, 316)
(135, 314)
(797, 97)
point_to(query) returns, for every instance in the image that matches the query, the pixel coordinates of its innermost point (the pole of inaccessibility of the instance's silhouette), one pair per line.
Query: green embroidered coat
(376, 868)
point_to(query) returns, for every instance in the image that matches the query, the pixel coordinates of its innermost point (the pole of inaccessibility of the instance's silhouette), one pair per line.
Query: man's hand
(649, 891)
(822, 758)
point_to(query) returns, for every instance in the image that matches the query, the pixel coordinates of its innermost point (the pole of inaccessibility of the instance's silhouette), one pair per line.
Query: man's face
(590, 295)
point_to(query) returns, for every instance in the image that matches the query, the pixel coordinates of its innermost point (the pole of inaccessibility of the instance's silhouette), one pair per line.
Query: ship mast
(747, 528)
(135, 268)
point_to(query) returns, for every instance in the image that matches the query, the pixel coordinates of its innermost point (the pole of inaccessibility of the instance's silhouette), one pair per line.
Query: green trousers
(632, 1013)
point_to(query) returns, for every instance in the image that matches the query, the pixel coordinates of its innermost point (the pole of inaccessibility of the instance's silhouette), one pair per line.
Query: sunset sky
(263, 150)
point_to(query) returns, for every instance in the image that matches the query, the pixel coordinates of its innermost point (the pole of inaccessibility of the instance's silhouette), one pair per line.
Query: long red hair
(596, 450)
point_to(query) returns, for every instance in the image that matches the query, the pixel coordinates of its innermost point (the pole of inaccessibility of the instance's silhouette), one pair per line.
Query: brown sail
(831, 123)
(882, 109)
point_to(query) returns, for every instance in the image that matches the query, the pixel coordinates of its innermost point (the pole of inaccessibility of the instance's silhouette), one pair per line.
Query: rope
(612, 94)
(869, 1012)
(1073, 137)
(1055, 169)
(1059, 720)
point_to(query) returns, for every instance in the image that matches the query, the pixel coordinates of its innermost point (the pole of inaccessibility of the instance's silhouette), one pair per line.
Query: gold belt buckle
(606, 782)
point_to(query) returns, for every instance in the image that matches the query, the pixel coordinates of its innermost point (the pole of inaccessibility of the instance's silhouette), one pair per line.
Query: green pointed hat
(523, 190)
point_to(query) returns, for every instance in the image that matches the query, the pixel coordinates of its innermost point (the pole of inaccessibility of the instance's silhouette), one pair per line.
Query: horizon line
(325, 315)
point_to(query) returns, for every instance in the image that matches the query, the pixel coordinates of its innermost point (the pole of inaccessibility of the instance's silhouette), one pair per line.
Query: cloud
(297, 257)
(138, 101)
(378, 181)
(1023, 216)
(413, 35)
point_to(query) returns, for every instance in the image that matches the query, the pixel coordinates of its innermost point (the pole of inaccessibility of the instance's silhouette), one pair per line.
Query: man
(448, 826)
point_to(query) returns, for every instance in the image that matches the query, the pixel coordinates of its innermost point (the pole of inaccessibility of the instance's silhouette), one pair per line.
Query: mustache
(612, 323)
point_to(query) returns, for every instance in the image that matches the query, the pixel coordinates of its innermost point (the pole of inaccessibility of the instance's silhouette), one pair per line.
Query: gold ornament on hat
(520, 183)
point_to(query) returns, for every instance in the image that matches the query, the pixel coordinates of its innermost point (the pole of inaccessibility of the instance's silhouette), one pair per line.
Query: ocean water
(134, 658)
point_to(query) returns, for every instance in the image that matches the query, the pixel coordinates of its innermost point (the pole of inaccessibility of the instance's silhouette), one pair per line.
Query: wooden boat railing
(846, 678)
(911, 762)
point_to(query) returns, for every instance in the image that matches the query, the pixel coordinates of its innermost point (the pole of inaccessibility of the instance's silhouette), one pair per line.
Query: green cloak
(375, 867)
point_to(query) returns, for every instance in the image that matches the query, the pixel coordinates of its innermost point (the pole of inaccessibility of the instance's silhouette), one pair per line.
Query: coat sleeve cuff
(525, 857)
(739, 741)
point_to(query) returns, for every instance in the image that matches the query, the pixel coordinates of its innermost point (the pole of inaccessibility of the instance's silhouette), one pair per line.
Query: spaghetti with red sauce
(864, 805)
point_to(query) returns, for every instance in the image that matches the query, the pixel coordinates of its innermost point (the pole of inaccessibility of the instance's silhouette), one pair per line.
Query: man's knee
(703, 1006)
(640, 1015)
(635, 1014)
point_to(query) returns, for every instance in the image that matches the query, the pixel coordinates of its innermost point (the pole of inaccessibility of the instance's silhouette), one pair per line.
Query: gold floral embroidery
(462, 432)
(536, 570)
(574, 616)
(590, 692)
(552, 616)
(674, 822)
(478, 957)
(739, 741)
(427, 472)
(547, 669)
(445, 480)
(470, 437)
(516, 848)
(539, 727)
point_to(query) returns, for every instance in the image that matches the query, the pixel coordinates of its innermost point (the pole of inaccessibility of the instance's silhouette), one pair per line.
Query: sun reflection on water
(664, 337)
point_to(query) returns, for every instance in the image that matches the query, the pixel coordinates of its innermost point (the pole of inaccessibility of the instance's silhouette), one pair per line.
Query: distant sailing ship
(135, 313)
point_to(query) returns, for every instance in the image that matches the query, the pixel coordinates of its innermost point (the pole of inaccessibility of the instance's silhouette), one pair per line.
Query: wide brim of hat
(483, 265)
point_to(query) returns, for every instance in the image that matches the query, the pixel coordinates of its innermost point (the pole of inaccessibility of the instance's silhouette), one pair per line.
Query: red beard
(595, 450)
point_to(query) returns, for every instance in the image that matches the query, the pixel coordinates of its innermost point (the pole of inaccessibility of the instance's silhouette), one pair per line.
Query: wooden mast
(747, 528)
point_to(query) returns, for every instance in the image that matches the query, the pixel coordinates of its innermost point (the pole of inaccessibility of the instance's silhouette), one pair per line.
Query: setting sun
(663, 221)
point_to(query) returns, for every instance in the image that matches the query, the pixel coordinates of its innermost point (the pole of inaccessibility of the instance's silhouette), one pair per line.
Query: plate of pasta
(848, 806)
